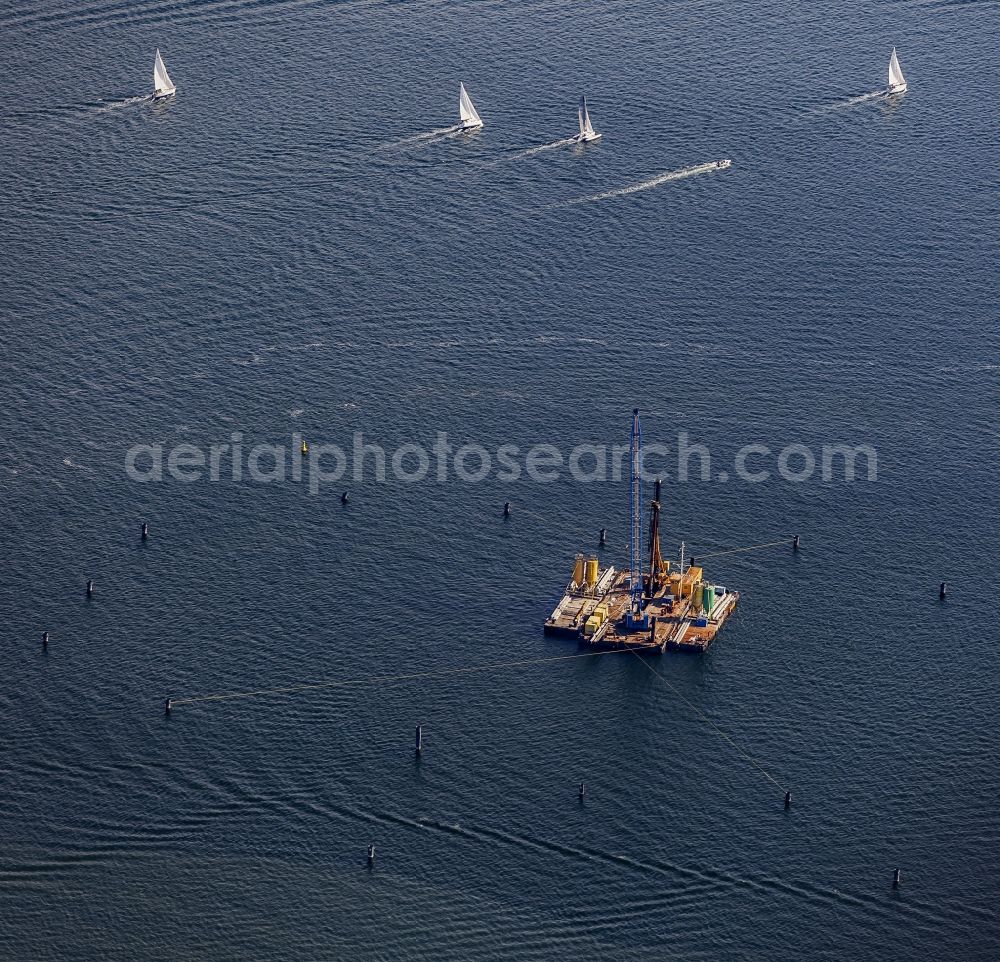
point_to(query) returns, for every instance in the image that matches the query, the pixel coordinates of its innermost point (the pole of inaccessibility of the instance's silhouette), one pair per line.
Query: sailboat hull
(896, 89)
(469, 125)
(163, 94)
(586, 138)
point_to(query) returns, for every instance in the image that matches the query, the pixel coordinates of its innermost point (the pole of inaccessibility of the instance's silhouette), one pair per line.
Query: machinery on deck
(649, 607)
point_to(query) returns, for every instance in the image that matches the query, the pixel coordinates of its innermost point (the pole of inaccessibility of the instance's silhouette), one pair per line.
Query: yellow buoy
(305, 448)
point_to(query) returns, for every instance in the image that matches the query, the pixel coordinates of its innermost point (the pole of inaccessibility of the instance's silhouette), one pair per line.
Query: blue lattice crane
(635, 545)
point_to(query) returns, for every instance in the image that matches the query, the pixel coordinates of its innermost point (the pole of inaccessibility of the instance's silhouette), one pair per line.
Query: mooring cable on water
(379, 679)
(714, 554)
(498, 666)
(471, 669)
(752, 547)
(708, 721)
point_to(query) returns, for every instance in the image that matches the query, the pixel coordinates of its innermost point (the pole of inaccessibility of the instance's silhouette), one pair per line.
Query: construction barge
(652, 607)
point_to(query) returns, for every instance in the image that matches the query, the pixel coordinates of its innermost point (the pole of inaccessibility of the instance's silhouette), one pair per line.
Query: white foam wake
(127, 102)
(537, 150)
(422, 138)
(655, 181)
(863, 98)
(521, 154)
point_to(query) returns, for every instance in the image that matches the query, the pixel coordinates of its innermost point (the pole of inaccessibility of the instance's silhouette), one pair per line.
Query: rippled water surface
(278, 249)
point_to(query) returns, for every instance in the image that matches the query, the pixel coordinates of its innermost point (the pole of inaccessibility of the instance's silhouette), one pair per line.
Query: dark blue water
(264, 255)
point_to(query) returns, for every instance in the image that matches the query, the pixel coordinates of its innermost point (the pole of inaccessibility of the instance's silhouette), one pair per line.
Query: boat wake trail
(853, 101)
(537, 150)
(521, 154)
(119, 104)
(678, 883)
(652, 182)
(423, 138)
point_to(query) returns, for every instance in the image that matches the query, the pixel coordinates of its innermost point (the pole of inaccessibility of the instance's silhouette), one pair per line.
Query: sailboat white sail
(897, 82)
(469, 118)
(162, 84)
(587, 132)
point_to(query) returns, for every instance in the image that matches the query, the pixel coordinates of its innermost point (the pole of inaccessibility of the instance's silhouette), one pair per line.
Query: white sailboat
(162, 84)
(587, 133)
(897, 82)
(469, 119)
